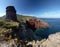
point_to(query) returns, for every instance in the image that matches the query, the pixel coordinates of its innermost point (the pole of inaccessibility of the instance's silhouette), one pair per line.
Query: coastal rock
(52, 41)
(11, 13)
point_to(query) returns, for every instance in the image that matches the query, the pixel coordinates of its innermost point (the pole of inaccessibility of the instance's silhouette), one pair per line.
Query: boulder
(52, 41)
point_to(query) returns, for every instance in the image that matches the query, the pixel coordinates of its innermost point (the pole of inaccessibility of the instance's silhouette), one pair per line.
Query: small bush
(1, 22)
(10, 24)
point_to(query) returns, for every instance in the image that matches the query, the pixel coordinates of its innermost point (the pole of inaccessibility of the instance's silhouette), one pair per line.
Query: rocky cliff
(9, 29)
(52, 41)
(18, 31)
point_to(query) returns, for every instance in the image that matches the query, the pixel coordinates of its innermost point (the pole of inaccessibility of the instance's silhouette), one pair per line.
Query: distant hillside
(24, 18)
(21, 17)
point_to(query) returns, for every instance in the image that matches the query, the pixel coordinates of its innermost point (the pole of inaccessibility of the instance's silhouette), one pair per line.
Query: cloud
(50, 14)
(2, 14)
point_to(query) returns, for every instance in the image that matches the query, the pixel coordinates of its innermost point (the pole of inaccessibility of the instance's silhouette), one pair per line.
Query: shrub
(1, 22)
(10, 24)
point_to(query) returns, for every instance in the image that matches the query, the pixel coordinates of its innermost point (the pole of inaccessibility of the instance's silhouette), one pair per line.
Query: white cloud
(50, 14)
(27, 14)
(2, 14)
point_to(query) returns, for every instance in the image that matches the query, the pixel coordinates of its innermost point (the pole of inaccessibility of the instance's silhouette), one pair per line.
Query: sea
(54, 24)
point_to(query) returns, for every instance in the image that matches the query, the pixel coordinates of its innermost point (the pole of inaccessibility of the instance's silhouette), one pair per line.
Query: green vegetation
(23, 18)
(10, 24)
(5, 25)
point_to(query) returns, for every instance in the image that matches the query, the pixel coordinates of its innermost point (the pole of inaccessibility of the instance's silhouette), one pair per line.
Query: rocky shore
(52, 41)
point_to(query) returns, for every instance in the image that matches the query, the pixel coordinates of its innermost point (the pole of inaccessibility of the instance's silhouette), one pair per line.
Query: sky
(37, 8)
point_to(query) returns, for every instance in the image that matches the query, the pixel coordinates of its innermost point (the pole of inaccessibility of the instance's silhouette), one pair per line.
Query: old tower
(11, 13)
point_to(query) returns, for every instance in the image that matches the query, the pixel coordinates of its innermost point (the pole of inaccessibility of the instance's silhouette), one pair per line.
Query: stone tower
(11, 13)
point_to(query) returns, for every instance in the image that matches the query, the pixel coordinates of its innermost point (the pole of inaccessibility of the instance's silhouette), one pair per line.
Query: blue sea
(54, 25)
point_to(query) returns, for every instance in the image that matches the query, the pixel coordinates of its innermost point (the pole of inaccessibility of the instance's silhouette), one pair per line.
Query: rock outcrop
(38, 23)
(52, 41)
(11, 13)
